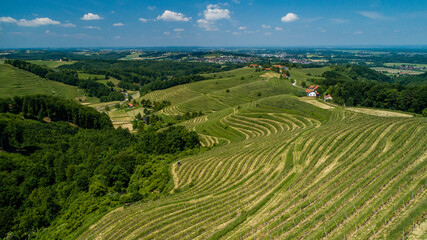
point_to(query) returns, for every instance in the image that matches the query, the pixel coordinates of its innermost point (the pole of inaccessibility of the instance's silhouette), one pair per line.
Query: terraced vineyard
(283, 169)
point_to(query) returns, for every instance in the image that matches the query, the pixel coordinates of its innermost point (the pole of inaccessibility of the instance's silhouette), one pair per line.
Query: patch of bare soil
(316, 103)
(381, 113)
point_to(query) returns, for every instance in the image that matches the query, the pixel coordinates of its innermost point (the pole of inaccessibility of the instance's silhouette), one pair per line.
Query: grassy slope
(51, 64)
(283, 169)
(17, 82)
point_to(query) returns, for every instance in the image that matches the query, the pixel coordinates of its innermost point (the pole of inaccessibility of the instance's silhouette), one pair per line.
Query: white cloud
(278, 28)
(236, 1)
(358, 32)
(178, 30)
(93, 27)
(166, 33)
(7, 20)
(151, 8)
(242, 28)
(339, 20)
(207, 25)
(214, 13)
(290, 17)
(91, 16)
(265, 26)
(47, 31)
(372, 15)
(173, 16)
(237, 33)
(118, 24)
(68, 25)
(144, 20)
(321, 30)
(37, 22)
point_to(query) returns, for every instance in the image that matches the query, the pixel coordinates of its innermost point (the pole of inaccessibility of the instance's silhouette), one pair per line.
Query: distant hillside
(17, 82)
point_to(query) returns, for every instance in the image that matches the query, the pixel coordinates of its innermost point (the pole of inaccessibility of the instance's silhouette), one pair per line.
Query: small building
(311, 93)
(327, 97)
(254, 66)
(130, 105)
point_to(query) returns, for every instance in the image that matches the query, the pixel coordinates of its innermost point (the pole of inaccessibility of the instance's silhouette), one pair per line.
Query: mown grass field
(392, 71)
(406, 64)
(17, 82)
(51, 64)
(282, 168)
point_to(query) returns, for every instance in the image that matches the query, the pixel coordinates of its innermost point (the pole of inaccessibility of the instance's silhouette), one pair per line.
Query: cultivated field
(282, 169)
(406, 64)
(395, 71)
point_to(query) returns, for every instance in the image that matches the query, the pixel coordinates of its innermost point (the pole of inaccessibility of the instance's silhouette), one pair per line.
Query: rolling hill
(281, 168)
(17, 82)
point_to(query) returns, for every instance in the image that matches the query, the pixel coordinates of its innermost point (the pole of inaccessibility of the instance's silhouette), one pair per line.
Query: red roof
(130, 104)
(267, 69)
(309, 90)
(315, 87)
(254, 65)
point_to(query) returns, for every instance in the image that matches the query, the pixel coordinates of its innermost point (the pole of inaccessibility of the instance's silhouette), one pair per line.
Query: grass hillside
(282, 168)
(17, 82)
(51, 64)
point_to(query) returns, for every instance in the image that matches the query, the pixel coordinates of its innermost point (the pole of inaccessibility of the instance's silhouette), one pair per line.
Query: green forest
(149, 75)
(63, 163)
(354, 85)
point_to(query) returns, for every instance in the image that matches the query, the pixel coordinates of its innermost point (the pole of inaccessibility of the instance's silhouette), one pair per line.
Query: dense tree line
(359, 86)
(159, 84)
(73, 174)
(148, 75)
(51, 108)
(69, 77)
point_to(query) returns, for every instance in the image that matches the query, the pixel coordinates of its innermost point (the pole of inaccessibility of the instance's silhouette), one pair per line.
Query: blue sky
(131, 23)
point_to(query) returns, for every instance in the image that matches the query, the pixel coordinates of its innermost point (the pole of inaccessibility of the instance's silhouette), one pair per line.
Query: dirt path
(175, 177)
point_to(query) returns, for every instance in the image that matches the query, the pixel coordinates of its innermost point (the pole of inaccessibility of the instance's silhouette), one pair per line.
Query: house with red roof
(327, 97)
(312, 91)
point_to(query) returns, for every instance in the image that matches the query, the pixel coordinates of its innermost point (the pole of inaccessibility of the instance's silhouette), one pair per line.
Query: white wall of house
(312, 94)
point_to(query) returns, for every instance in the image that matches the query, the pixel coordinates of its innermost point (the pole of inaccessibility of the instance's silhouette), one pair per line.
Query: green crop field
(281, 168)
(51, 64)
(406, 64)
(91, 76)
(17, 82)
(394, 71)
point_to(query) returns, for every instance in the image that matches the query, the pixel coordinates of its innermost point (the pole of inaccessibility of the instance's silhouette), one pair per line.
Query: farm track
(276, 173)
